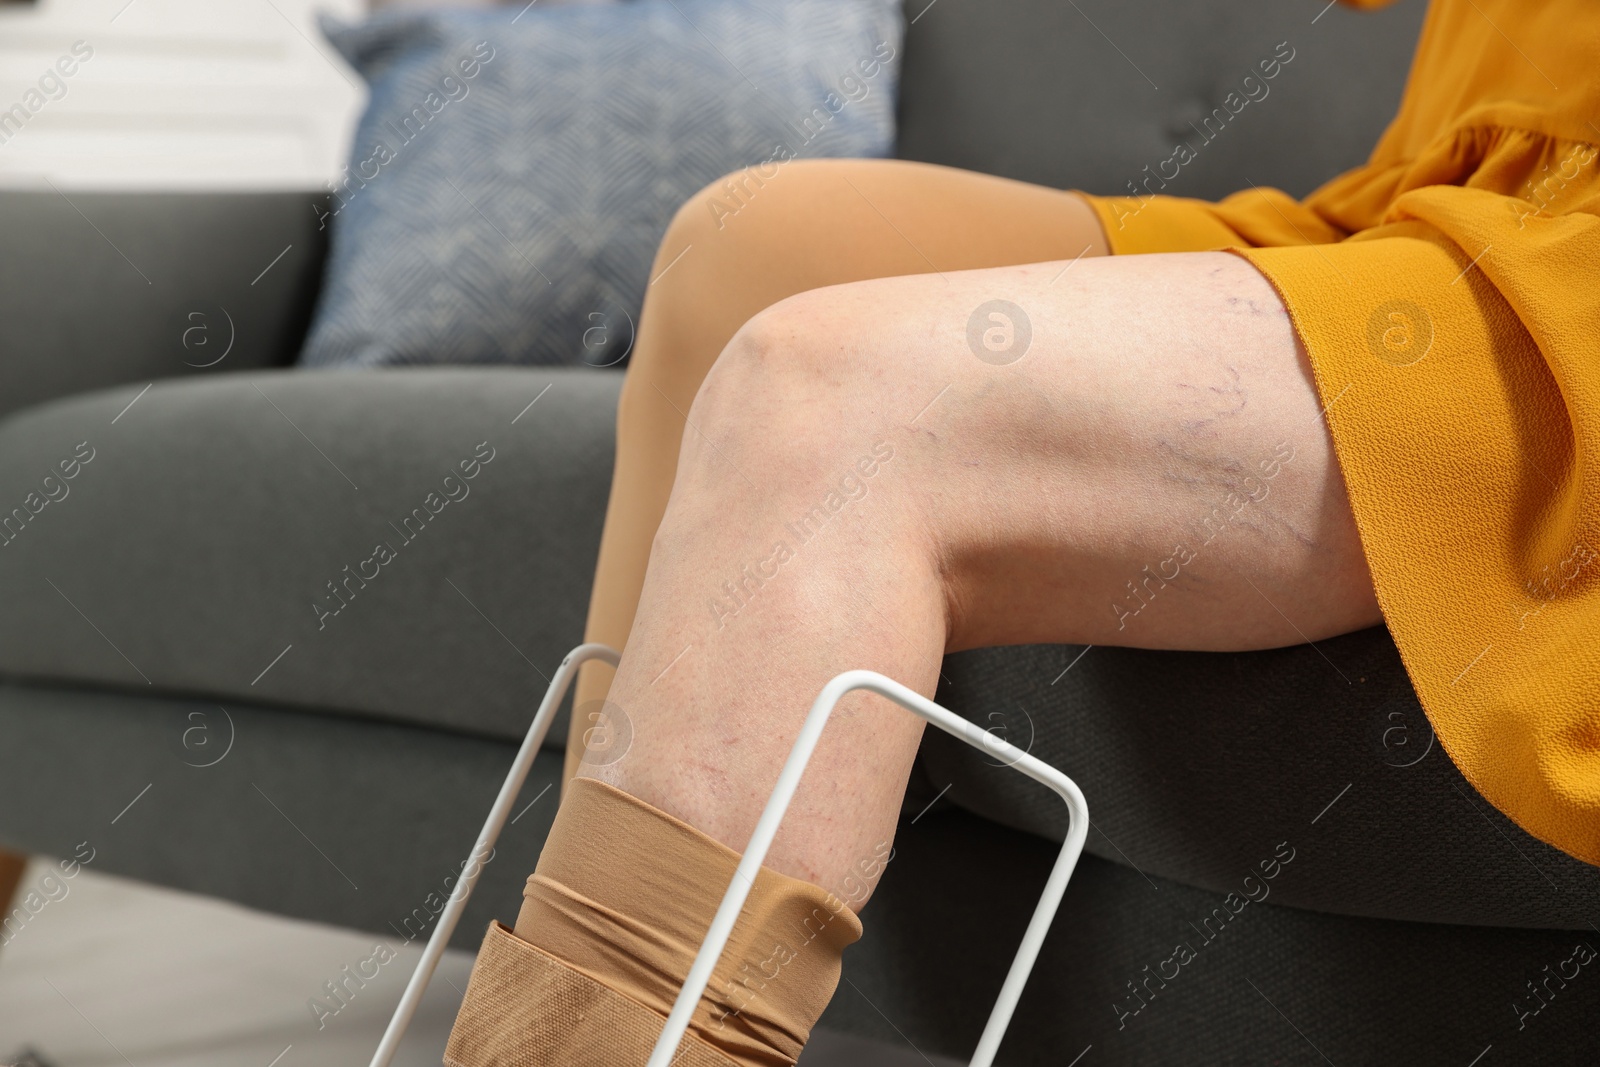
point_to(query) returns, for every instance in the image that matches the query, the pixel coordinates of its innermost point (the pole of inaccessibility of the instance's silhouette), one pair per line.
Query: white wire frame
(755, 853)
(789, 779)
(492, 826)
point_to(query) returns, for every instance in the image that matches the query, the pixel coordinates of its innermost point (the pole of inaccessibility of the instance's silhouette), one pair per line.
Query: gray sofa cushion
(215, 797)
(194, 552)
(1271, 985)
(1195, 764)
(191, 554)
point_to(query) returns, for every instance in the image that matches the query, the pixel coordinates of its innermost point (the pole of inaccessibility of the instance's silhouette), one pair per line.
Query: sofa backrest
(1087, 93)
(115, 287)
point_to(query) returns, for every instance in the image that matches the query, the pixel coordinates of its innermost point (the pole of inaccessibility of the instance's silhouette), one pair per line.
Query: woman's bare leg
(879, 472)
(816, 223)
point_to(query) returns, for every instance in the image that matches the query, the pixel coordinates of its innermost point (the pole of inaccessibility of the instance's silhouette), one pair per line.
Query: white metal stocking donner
(722, 924)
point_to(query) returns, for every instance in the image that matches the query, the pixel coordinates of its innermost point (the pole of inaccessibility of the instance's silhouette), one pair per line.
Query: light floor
(122, 974)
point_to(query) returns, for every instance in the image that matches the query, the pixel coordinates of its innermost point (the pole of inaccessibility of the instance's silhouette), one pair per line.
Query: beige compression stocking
(610, 924)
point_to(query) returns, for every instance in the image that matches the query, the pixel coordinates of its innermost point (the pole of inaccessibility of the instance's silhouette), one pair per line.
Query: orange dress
(1448, 295)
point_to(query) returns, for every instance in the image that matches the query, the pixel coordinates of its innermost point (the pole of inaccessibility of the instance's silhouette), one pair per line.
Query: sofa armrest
(104, 288)
(412, 544)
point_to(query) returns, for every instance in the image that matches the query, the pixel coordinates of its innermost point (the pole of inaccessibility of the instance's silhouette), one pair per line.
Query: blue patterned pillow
(516, 169)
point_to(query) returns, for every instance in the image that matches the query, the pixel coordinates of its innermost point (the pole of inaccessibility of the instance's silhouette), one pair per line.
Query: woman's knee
(702, 221)
(801, 409)
(709, 276)
(778, 185)
(794, 376)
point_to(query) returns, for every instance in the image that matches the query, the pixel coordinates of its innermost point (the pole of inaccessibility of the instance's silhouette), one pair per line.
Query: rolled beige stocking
(610, 924)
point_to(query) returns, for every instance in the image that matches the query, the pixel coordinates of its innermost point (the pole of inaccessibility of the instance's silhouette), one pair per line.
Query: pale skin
(1019, 500)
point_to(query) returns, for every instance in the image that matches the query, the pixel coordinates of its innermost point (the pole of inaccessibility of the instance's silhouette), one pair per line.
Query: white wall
(178, 94)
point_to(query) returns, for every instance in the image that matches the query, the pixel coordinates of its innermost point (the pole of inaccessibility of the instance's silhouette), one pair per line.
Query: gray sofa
(171, 695)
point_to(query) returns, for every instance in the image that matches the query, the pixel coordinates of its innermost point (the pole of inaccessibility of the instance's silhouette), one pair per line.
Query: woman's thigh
(1119, 451)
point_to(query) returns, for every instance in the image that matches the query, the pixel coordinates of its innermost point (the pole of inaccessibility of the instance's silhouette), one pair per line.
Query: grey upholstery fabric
(192, 553)
(1272, 985)
(105, 288)
(313, 815)
(1195, 762)
(299, 803)
(1087, 94)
